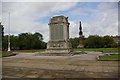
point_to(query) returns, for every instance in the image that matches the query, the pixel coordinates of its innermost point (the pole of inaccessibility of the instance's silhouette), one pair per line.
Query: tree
(108, 41)
(93, 42)
(24, 41)
(37, 42)
(74, 42)
(31, 41)
(5, 42)
(14, 42)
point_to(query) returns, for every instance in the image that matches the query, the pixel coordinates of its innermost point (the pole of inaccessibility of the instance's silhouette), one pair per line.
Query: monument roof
(58, 16)
(59, 19)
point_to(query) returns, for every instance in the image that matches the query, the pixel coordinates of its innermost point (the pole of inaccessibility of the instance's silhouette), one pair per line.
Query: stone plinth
(81, 42)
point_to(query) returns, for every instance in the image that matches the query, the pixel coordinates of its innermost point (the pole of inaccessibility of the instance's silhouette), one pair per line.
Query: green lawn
(4, 54)
(112, 57)
(0, 54)
(98, 49)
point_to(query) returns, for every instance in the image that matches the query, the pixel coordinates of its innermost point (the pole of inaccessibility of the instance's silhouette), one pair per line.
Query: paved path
(91, 55)
(26, 65)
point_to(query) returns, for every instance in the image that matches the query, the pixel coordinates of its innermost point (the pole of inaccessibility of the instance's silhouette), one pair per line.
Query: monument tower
(80, 37)
(59, 35)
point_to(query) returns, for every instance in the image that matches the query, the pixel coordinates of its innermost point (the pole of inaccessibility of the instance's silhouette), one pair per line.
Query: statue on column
(81, 37)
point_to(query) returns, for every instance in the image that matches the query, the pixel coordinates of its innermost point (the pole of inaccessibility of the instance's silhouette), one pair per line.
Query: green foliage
(74, 42)
(14, 42)
(99, 42)
(4, 54)
(118, 44)
(25, 41)
(5, 42)
(93, 42)
(108, 42)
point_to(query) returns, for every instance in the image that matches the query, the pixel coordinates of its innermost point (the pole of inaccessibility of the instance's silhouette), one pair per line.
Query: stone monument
(59, 35)
(81, 37)
(59, 43)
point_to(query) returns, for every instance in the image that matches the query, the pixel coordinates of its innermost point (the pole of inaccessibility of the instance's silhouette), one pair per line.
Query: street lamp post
(9, 33)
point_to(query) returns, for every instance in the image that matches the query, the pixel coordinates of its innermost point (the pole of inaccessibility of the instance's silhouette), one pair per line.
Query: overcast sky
(98, 18)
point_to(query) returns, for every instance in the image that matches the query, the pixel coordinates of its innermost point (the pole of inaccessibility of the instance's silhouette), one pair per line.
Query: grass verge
(112, 50)
(4, 54)
(112, 57)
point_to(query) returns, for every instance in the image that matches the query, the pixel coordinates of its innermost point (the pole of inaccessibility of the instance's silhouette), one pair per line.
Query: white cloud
(41, 0)
(0, 11)
(78, 12)
(105, 19)
(60, 0)
(24, 16)
(102, 21)
(74, 29)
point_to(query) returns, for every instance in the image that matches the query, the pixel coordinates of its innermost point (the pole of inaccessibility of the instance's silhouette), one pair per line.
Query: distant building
(116, 39)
